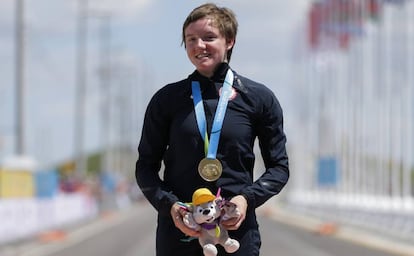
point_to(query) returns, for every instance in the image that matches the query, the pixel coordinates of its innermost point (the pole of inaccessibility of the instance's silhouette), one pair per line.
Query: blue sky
(145, 47)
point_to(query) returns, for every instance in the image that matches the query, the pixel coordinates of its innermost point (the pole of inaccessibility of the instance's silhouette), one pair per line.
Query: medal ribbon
(210, 148)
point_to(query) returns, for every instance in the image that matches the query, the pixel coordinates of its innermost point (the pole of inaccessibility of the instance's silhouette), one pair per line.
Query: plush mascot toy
(204, 214)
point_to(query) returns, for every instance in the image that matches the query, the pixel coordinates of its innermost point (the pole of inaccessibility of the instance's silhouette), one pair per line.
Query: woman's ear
(230, 43)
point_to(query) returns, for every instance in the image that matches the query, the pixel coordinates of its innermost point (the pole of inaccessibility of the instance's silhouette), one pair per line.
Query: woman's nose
(200, 43)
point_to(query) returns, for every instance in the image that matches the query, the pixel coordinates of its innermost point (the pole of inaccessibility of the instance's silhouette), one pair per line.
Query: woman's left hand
(235, 222)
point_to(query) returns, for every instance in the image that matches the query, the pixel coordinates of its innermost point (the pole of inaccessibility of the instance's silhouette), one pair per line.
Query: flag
(335, 21)
(344, 18)
(314, 23)
(374, 9)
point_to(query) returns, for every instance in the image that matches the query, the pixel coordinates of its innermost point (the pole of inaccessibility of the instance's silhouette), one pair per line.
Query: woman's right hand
(177, 215)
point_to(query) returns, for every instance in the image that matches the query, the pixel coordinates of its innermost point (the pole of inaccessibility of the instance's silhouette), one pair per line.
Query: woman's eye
(209, 38)
(190, 39)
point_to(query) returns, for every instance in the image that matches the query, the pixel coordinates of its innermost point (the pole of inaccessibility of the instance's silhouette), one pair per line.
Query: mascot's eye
(200, 210)
(211, 206)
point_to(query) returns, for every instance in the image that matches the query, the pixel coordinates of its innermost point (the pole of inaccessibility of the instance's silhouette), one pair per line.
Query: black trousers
(171, 241)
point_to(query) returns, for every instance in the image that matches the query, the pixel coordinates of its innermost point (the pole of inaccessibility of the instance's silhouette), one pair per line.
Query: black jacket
(170, 135)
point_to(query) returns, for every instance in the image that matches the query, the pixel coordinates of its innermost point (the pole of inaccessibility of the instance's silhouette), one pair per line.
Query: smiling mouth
(210, 219)
(203, 55)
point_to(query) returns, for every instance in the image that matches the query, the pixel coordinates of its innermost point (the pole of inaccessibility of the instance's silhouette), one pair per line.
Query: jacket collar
(218, 77)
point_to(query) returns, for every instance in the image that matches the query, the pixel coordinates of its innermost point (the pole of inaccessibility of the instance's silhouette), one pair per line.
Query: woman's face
(206, 47)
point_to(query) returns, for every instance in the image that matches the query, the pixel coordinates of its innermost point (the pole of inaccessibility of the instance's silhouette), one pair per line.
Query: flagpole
(356, 47)
(395, 88)
(399, 101)
(371, 175)
(364, 99)
(310, 71)
(389, 108)
(409, 147)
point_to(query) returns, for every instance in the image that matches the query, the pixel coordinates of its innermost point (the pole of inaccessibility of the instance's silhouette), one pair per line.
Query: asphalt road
(132, 232)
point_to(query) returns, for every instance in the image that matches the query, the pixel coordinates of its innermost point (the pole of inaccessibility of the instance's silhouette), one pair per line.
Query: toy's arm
(188, 216)
(230, 210)
(190, 222)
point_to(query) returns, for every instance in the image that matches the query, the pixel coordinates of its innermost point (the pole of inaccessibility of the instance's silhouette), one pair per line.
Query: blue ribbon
(211, 148)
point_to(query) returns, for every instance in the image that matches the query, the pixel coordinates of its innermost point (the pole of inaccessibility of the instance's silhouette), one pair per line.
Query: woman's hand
(177, 214)
(235, 222)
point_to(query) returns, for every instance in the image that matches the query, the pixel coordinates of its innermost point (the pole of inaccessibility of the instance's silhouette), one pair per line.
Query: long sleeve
(272, 143)
(153, 144)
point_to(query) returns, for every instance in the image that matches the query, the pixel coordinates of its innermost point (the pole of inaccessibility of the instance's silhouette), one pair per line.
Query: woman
(203, 128)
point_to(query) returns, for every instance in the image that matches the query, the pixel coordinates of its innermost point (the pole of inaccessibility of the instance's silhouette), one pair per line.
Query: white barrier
(22, 218)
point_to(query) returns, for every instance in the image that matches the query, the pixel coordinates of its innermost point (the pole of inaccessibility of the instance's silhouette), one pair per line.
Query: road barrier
(25, 217)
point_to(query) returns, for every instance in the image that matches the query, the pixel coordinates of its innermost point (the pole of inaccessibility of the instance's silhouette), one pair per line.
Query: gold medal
(210, 169)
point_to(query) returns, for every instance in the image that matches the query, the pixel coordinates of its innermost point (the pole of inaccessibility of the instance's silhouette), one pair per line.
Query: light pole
(105, 80)
(20, 88)
(80, 87)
